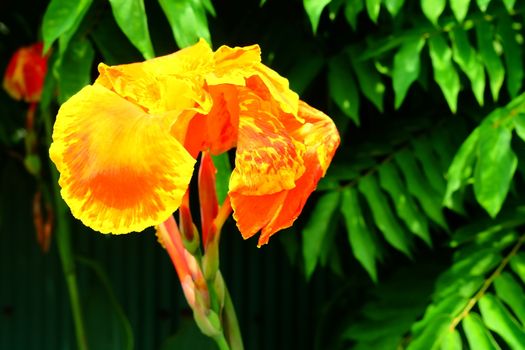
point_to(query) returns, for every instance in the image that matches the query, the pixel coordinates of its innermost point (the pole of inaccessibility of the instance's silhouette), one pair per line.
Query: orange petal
(268, 160)
(272, 213)
(252, 213)
(120, 169)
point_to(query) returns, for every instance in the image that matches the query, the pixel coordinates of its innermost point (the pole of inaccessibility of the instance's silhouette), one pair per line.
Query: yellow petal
(165, 83)
(120, 169)
(268, 160)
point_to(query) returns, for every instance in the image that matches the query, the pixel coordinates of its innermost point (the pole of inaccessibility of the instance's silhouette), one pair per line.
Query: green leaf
(509, 4)
(370, 82)
(222, 178)
(459, 8)
(461, 169)
(451, 340)
(314, 8)
(430, 165)
(419, 188)
(383, 216)
(519, 125)
(511, 293)
(469, 62)
(444, 72)
(432, 335)
(483, 4)
(342, 87)
(363, 246)
(304, 72)
(188, 21)
(373, 7)
(513, 56)
(498, 319)
(316, 230)
(188, 336)
(495, 167)
(478, 336)
(60, 17)
(517, 263)
(490, 58)
(352, 9)
(405, 206)
(433, 9)
(406, 67)
(131, 18)
(73, 71)
(393, 6)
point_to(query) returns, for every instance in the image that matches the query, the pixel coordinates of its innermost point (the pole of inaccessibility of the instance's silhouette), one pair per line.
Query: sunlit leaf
(352, 9)
(490, 58)
(393, 6)
(370, 82)
(469, 62)
(444, 72)
(511, 293)
(462, 168)
(498, 319)
(314, 8)
(130, 16)
(513, 55)
(73, 71)
(495, 167)
(432, 335)
(362, 244)
(383, 216)
(188, 21)
(483, 4)
(406, 67)
(433, 9)
(406, 208)
(373, 7)
(451, 341)
(459, 8)
(60, 17)
(342, 87)
(316, 229)
(477, 334)
(517, 263)
(419, 188)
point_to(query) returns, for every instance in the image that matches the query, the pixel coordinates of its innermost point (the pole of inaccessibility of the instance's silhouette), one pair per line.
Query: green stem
(65, 251)
(221, 342)
(230, 323)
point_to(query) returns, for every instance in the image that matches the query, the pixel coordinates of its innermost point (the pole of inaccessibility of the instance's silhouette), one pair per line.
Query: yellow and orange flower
(25, 73)
(126, 146)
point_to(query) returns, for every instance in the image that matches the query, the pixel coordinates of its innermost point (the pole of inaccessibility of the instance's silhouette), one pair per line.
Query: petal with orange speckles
(120, 168)
(268, 159)
(279, 210)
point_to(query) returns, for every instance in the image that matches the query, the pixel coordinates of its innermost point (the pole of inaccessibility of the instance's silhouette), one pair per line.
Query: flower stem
(65, 251)
(230, 323)
(221, 342)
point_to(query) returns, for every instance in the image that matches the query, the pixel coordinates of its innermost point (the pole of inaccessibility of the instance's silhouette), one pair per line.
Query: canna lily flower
(25, 73)
(126, 146)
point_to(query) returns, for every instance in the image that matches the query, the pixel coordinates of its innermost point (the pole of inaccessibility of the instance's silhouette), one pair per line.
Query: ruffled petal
(120, 168)
(165, 83)
(268, 159)
(272, 213)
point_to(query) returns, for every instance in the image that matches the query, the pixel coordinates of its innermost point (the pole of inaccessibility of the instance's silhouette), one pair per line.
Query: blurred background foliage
(414, 238)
